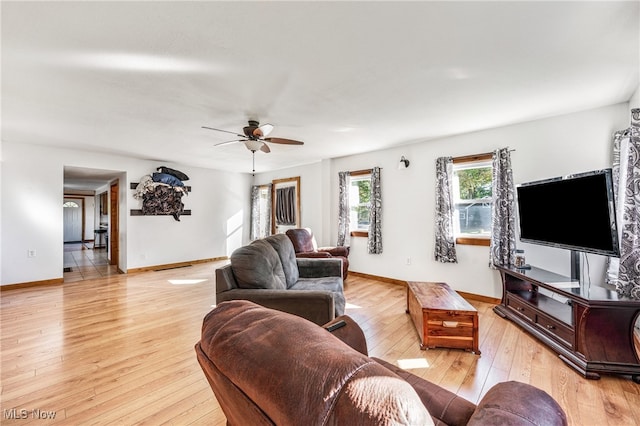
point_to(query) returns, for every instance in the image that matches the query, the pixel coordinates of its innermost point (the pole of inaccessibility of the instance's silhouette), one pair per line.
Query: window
(359, 202)
(472, 199)
(71, 204)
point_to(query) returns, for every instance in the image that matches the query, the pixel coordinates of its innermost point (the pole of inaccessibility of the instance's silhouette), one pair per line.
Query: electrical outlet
(408, 261)
(31, 253)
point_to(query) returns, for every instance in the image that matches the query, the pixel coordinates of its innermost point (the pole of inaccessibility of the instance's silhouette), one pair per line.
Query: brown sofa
(268, 273)
(305, 245)
(267, 367)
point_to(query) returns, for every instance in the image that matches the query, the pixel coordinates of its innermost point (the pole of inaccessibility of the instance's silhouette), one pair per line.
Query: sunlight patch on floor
(187, 282)
(412, 363)
(352, 306)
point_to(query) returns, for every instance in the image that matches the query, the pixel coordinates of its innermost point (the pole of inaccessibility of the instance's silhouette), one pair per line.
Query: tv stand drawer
(521, 307)
(556, 329)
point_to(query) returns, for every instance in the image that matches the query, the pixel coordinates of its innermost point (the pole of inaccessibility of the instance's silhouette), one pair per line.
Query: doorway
(85, 260)
(73, 219)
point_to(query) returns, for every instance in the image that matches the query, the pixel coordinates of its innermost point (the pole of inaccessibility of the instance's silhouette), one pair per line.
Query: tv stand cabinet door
(605, 335)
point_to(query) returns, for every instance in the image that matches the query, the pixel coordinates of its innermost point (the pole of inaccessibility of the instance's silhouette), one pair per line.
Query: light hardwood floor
(119, 350)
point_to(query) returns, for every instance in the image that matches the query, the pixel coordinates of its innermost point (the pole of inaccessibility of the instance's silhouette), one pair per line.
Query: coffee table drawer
(449, 324)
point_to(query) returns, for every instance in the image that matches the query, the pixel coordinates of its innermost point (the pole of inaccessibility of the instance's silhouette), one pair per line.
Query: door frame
(114, 224)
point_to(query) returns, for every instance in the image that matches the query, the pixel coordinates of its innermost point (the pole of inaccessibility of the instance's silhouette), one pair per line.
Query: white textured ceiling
(141, 78)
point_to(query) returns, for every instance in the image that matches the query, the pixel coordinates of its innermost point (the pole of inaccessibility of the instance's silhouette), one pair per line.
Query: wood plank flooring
(119, 350)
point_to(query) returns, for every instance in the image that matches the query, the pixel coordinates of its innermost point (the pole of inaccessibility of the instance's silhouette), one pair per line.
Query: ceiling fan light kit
(253, 145)
(255, 139)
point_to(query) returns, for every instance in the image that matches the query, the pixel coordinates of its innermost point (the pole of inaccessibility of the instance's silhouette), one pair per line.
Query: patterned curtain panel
(503, 234)
(445, 250)
(343, 209)
(620, 144)
(285, 206)
(375, 213)
(629, 274)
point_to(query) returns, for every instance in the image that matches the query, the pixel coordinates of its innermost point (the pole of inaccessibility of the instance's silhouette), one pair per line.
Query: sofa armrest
(516, 403)
(225, 280)
(335, 251)
(313, 255)
(442, 404)
(350, 333)
(316, 306)
(318, 268)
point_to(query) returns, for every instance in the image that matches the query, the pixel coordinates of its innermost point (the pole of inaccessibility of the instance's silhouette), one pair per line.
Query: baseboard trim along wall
(54, 281)
(58, 281)
(174, 265)
(469, 296)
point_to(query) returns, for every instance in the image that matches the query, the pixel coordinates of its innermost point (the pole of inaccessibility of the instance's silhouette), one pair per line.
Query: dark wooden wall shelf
(590, 327)
(134, 185)
(138, 212)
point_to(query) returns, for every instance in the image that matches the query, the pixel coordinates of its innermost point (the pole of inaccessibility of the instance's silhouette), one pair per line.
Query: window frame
(358, 173)
(466, 239)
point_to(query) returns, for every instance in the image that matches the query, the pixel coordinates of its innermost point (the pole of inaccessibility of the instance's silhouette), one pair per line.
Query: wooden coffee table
(442, 317)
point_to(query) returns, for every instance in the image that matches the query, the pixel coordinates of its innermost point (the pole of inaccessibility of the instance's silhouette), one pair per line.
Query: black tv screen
(575, 212)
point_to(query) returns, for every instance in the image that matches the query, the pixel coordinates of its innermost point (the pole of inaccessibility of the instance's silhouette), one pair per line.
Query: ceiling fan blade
(265, 148)
(265, 129)
(225, 131)
(284, 141)
(228, 142)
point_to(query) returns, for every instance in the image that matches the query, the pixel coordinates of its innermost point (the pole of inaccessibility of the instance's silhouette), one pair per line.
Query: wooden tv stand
(588, 326)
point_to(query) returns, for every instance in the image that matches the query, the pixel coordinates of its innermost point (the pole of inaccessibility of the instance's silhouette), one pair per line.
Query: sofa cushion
(323, 381)
(283, 246)
(302, 240)
(444, 406)
(376, 396)
(332, 284)
(258, 266)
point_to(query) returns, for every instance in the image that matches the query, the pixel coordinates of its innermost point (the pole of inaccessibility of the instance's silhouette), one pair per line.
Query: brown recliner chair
(305, 245)
(268, 367)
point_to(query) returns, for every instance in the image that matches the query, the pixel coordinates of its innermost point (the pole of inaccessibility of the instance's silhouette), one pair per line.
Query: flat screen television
(575, 212)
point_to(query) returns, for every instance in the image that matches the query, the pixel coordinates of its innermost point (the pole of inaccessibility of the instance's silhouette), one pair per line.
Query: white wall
(543, 148)
(31, 217)
(312, 186)
(634, 102)
(31, 181)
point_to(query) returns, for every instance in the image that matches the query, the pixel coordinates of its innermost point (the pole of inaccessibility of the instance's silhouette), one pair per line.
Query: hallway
(83, 262)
